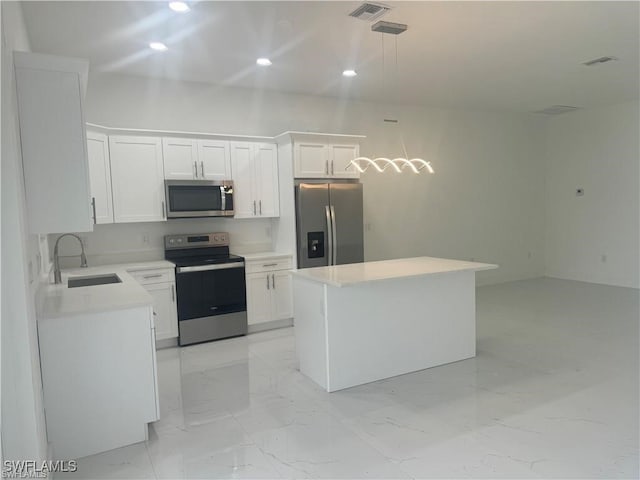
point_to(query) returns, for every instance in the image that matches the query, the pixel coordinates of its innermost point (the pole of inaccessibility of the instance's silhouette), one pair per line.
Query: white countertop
(357, 273)
(56, 301)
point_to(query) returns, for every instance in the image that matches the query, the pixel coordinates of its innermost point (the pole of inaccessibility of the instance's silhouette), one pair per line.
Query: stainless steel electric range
(210, 286)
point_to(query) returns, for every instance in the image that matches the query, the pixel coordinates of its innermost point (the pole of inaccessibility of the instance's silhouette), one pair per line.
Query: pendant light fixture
(399, 164)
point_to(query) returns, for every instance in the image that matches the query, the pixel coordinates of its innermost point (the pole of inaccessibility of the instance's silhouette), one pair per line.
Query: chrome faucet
(57, 275)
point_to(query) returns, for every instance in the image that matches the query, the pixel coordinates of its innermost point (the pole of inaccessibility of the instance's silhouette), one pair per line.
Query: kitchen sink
(91, 280)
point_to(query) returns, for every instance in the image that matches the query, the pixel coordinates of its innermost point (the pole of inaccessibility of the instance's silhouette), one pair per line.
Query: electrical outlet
(145, 238)
(579, 192)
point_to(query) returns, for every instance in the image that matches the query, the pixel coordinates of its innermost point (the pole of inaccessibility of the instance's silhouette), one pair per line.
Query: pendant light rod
(381, 164)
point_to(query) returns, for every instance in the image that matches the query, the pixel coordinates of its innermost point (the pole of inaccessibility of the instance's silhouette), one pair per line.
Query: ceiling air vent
(389, 27)
(598, 61)
(557, 109)
(370, 11)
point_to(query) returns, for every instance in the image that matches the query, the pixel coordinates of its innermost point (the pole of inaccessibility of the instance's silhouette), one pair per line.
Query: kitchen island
(367, 321)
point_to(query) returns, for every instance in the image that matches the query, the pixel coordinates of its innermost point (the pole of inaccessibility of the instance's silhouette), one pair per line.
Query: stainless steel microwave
(199, 198)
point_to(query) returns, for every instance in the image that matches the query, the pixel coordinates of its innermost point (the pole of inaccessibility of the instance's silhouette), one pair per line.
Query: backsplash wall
(132, 242)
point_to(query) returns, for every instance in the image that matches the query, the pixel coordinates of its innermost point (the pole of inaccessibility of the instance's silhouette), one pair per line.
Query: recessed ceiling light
(158, 46)
(349, 73)
(180, 7)
(264, 62)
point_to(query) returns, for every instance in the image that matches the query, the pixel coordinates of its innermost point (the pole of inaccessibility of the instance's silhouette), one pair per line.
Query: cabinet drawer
(148, 277)
(268, 264)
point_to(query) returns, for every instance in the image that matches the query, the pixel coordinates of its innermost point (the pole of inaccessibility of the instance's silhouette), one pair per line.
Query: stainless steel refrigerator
(329, 224)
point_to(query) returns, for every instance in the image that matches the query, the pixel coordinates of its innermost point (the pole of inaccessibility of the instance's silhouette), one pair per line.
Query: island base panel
(376, 330)
(309, 306)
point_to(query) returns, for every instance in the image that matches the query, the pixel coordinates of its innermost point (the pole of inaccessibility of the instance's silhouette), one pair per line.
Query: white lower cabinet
(99, 380)
(281, 294)
(269, 295)
(258, 298)
(164, 309)
(161, 286)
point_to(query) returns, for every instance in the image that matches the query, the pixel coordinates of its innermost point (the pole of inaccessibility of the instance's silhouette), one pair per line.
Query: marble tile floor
(552, 393)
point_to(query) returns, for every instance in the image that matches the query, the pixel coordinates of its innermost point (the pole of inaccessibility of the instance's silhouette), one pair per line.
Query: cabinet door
(258, 298)
(341, 156)
(242, 172)
(180, 158)
(282, 295)
(311, 160)
(215, 159)
(164, 309)
(100, 176)
(266, 179)
(54, 143)
(137, 179)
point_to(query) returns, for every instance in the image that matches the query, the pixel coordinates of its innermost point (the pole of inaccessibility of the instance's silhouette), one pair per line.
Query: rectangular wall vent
(370, 11)
(598, 61)
(389, 27)
(557, 109)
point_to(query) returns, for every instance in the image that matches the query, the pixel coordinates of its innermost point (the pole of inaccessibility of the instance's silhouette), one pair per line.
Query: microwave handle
(223, 197)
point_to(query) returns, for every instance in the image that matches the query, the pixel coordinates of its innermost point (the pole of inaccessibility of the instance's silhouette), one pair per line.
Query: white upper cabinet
(137, 178)
(324, 159)
(100, 177)
(180, 158)
(242, 173)
(215, 159)
(311, 160)
(196, 159)
(50, 96)
(340, 158)
(266, 179)
(254, 171)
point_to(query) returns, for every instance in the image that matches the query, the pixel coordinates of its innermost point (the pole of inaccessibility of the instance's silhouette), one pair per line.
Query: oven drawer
(148, 277)
(268, 264)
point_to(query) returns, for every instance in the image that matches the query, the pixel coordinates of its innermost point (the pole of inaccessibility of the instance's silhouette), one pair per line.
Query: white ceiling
(514, 56)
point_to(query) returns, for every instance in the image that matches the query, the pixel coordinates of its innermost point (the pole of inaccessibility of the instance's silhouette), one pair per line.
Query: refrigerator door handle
(334, 240)
(330, 236)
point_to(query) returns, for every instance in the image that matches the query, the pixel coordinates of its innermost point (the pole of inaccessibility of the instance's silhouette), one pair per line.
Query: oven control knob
(171, 240)
(179, 240)
(216, 238)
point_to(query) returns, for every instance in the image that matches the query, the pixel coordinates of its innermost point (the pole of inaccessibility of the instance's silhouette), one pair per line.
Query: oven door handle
(204, 268)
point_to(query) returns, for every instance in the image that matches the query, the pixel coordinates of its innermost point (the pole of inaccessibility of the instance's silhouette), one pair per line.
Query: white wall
(23, 428)
(595, 237)
(484, 201)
